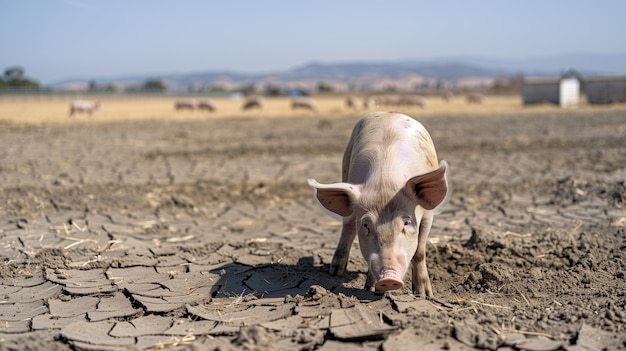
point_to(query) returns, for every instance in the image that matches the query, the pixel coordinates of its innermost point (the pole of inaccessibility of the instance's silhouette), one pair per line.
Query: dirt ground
(202, 234)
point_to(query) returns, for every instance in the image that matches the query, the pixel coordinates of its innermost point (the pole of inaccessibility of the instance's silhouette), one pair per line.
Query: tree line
(14, 78)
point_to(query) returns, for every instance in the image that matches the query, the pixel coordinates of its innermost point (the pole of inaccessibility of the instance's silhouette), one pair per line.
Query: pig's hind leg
(419, 274)
(342, 253)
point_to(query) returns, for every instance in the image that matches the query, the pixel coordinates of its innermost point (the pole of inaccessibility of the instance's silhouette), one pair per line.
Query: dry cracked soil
(203, 235)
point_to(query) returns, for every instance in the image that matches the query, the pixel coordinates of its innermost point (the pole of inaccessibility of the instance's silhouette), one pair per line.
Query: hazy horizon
(64, 39)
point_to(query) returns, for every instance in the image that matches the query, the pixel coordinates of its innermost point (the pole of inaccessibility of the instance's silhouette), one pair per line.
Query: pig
(411, 100)
(304, 103)
(84, 106)
(392, 186)
(353, 103)
(475, 98)
(181, 105)
(253, 102)
(206, 104)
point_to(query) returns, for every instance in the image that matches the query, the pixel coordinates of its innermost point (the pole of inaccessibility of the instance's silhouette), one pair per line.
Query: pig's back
(391, 146)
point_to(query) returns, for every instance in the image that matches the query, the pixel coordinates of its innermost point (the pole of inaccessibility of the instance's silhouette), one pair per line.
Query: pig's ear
(430, 189)
(338, 198)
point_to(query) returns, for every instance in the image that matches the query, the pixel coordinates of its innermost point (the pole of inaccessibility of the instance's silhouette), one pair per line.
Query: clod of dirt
(495, 275)
(618, 195)
(484, 240)
(490, 276)
(54, 257)
(317, 292)
(255, 338)
(324, 124)
(183, 201)
(539, 344)
(473, 281)
(473, 336)
(573, 190)
(308, 336)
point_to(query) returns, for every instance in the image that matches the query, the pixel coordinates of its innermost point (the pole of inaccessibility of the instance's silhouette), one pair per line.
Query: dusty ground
(202, 234)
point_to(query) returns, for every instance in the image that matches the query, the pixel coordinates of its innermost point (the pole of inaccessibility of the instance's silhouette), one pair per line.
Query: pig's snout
(389, 280)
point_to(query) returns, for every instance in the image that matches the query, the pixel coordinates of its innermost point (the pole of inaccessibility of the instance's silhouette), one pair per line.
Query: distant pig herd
(251, 103)
(297, 103)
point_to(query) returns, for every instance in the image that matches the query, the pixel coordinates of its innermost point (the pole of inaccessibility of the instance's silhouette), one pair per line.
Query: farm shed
(605, 90)
(564, 91)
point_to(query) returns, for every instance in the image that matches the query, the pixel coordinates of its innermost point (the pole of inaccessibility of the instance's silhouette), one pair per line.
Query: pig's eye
(408, 222)
(367, 227)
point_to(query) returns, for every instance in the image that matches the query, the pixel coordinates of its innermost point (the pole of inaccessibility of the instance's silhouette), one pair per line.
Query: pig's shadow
(279, 280)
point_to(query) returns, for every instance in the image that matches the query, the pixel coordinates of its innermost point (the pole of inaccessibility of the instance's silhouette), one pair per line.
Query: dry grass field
(44, 109)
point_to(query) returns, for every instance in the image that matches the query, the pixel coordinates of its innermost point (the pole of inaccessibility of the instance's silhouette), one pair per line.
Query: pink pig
(392, 187)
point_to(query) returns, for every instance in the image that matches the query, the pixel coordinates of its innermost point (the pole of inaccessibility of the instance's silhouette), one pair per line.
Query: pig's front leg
(370, 283)
(342, 253)
(419, 274)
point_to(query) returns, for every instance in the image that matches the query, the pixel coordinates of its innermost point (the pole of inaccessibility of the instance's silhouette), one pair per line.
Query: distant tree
(507, 85)
(324, 87)
(14, 78)
(272, 90)
(153, 85)
(108, 88)
(391, 89)
(216, 89)
(247, 89)
(500, 85)
(515, 83)
(572, 73)
(131, 89)
(93, 86)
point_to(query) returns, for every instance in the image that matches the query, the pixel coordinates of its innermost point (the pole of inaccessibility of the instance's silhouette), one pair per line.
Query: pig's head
(387, 221)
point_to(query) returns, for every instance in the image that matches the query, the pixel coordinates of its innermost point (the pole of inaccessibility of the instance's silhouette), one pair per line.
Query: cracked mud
(204, 235)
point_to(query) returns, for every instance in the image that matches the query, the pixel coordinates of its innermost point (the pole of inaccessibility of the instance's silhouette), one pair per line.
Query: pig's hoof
(336, 270)
(422, 288)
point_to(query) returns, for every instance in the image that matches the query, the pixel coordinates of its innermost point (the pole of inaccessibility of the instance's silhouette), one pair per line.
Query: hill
(451, 73)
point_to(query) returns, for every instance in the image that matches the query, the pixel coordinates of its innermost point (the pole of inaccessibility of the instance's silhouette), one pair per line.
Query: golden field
(55, 109)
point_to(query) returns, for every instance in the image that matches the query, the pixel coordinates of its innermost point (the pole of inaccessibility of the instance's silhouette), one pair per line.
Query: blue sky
(58, 39)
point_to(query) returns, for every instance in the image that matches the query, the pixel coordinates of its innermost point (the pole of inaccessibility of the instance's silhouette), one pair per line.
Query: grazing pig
(304, 103)
(391, 188)
(352, 102)
(253, 102)
(181, 105)
(84, 106)
(206, 104)
(411, 100)
(369, 101)
(388, 100)
(475, 98)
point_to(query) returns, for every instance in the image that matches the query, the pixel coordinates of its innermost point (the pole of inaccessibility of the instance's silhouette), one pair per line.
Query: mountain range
(448, 72)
